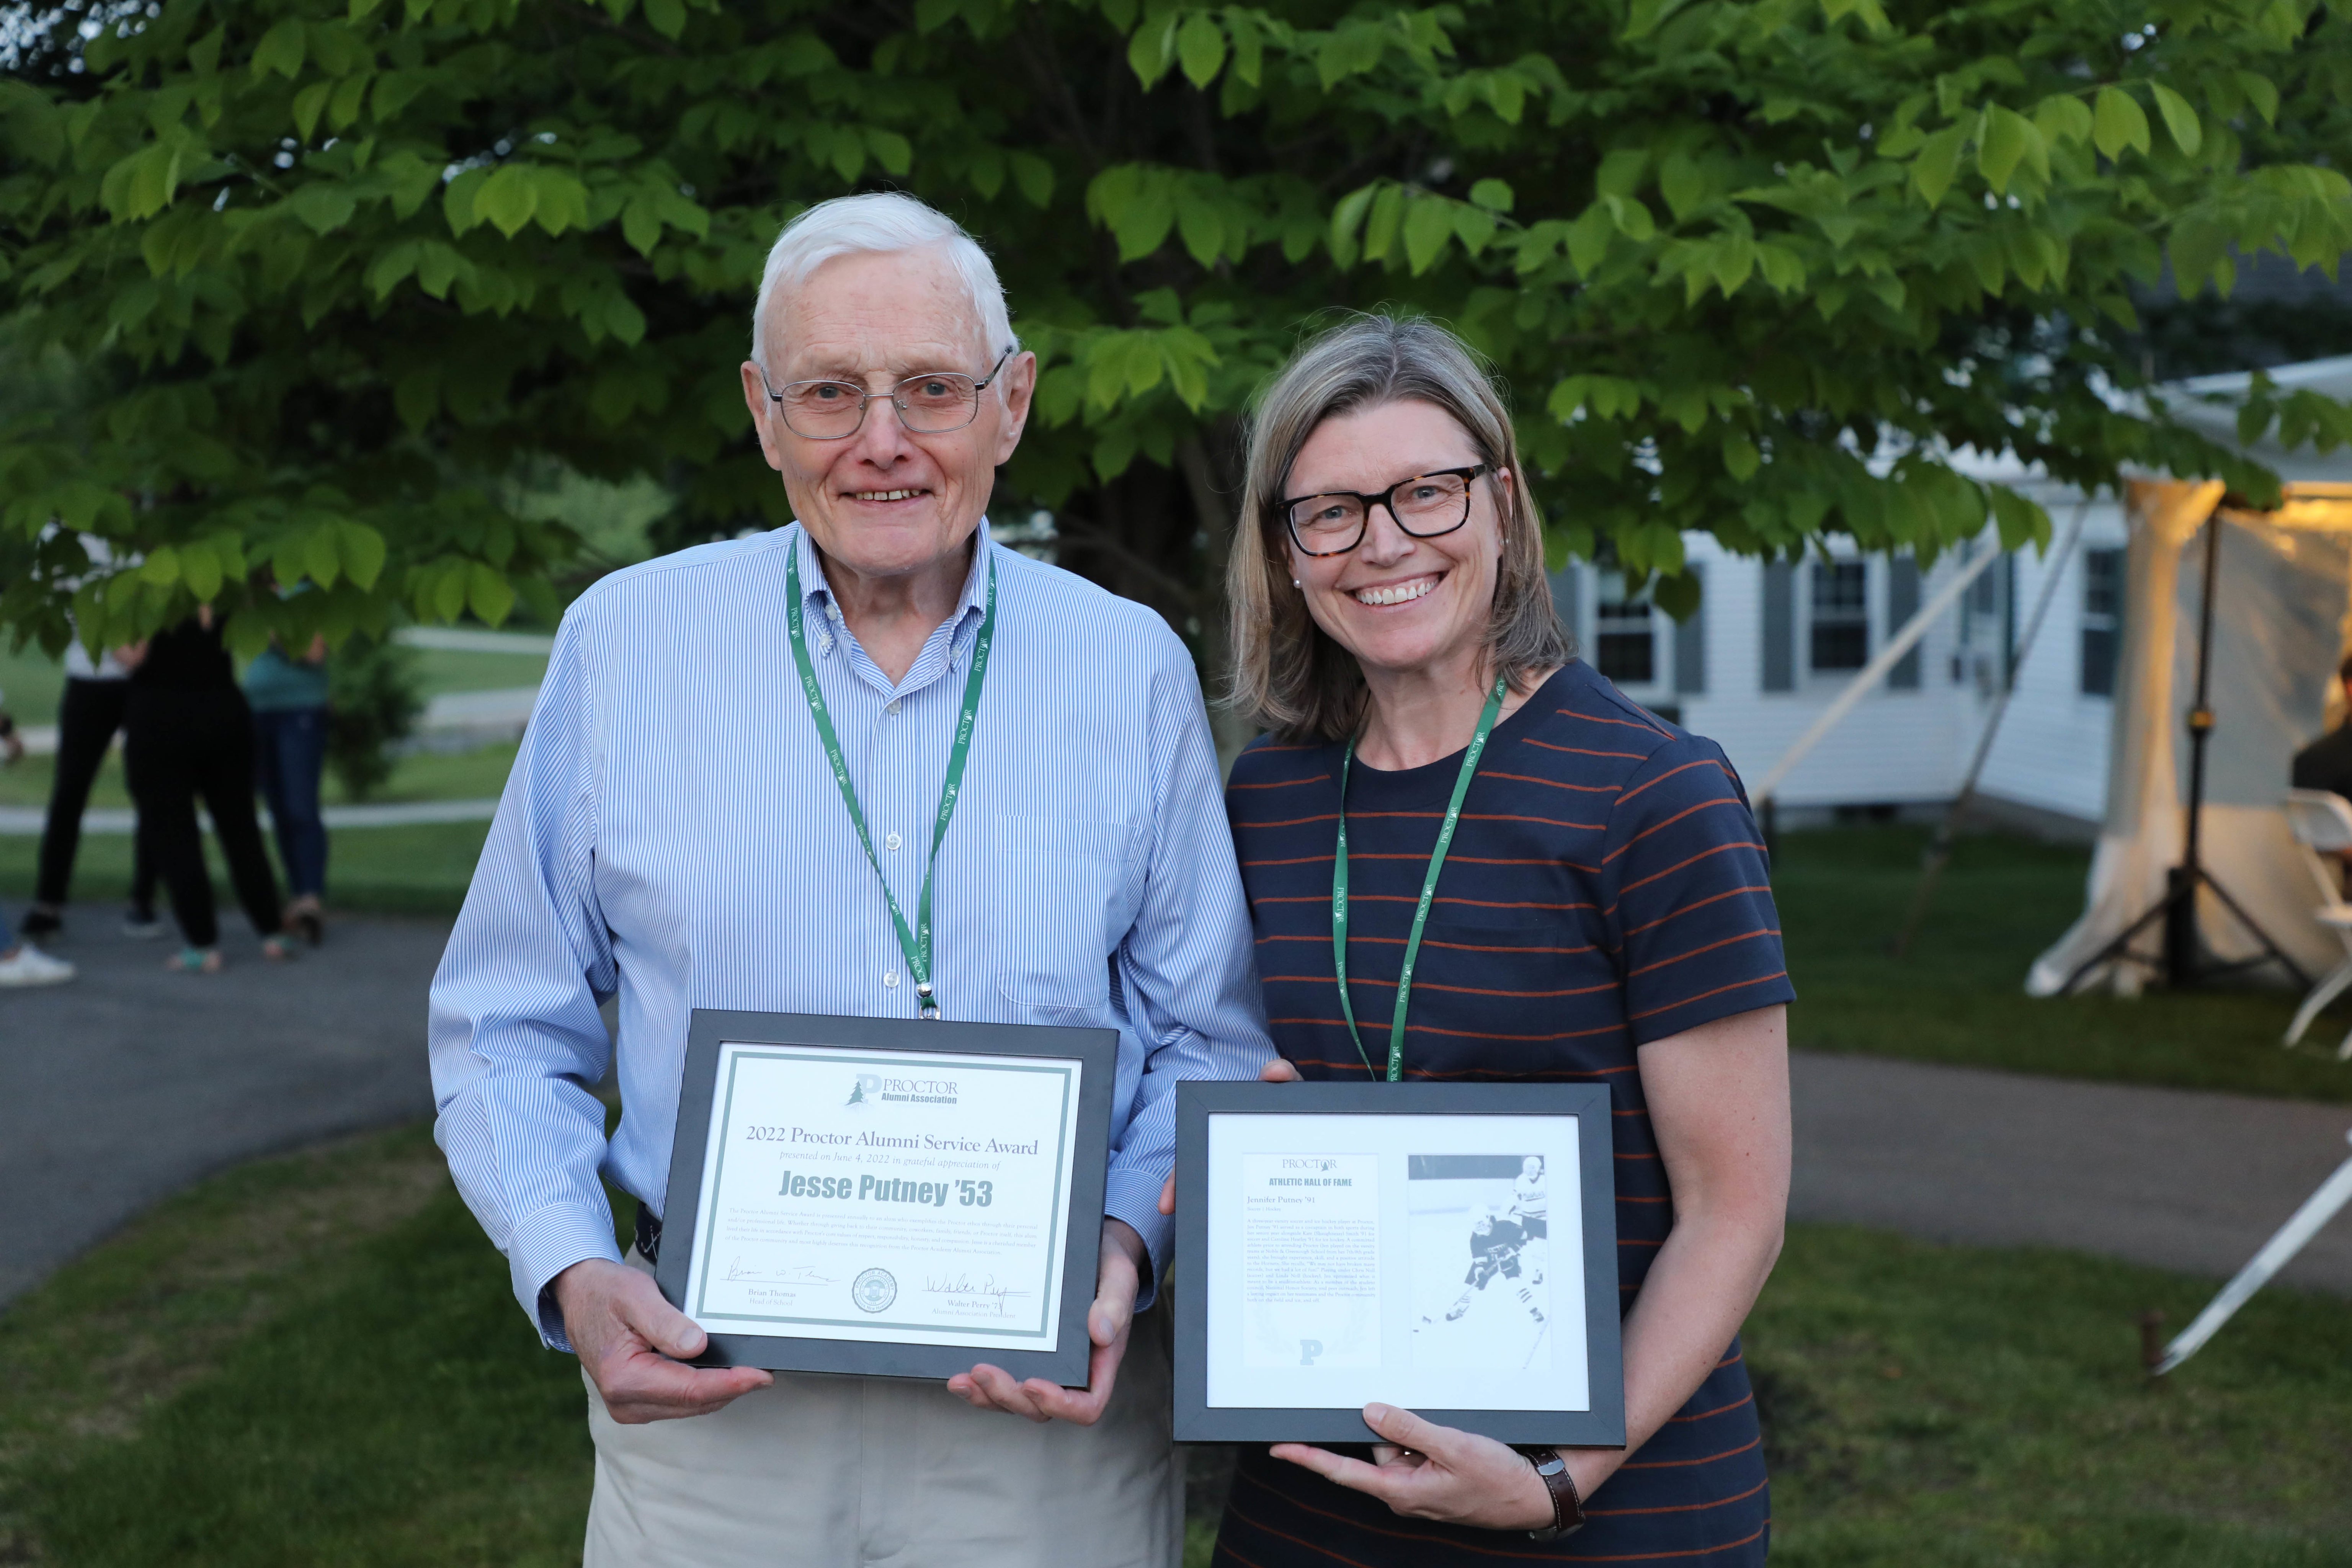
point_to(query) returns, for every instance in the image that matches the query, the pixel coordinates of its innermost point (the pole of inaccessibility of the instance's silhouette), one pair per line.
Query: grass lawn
(315, 1359)
(1958, 998)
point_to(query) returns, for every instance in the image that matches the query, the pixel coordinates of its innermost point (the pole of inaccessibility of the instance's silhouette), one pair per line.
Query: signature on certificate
(801, 1276)
(965, 1285)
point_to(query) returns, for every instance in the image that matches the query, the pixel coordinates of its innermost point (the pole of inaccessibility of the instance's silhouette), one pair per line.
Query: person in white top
(22, 963)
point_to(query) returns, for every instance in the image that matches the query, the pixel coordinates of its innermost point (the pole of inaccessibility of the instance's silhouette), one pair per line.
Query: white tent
(2280, 628)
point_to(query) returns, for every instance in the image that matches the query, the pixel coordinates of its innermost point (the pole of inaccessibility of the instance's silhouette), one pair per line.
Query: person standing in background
(88, 719)
(188, 732)
(288, 697)
(22, 963)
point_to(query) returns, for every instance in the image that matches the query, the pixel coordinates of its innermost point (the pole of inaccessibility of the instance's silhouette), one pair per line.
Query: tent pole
(1940, 849)
(2183, 963)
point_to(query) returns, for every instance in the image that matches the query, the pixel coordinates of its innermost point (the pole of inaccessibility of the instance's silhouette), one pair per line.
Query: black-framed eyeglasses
(931, 404)
(1424, 506)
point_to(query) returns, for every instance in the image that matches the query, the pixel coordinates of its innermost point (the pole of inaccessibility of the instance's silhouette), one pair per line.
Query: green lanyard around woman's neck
(1428, 888)
(915, 943)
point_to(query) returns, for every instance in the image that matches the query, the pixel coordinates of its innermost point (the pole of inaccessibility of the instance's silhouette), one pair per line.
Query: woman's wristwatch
(1567, 1507)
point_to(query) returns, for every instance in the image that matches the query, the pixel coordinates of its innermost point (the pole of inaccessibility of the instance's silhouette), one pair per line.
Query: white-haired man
(673, 831)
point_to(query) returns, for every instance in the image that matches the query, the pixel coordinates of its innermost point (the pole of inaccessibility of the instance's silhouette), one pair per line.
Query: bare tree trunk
(1214, 487)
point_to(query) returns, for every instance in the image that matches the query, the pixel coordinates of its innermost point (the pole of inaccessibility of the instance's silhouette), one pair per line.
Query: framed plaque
(893, 1197)
(1448, 1248)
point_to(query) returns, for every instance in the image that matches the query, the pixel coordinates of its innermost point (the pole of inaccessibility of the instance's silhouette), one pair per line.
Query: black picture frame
(1197, 1421)
(1095, 1050)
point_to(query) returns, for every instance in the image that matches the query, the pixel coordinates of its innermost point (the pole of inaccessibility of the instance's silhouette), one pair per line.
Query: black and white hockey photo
(1480, 1244)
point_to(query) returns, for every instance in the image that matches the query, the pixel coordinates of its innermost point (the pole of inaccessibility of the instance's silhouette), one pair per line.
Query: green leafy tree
(332, 273)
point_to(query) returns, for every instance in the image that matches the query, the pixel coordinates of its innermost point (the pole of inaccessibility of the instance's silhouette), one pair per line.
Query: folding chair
(2321, 821)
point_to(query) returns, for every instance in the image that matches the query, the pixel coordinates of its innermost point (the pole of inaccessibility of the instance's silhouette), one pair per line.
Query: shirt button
(890, 977)
(892, 842)
(835, 611)
(891, 708)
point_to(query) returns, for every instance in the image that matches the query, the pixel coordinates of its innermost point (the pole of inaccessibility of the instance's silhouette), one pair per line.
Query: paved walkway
(2190, 1181)
(124, 1086)
(130, 1083)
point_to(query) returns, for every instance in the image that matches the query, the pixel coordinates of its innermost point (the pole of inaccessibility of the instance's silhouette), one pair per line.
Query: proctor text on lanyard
(1428, 888)
(915, 941)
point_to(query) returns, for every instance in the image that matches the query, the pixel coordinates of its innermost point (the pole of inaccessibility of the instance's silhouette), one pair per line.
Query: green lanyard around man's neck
(1428, 888)
(916, 941)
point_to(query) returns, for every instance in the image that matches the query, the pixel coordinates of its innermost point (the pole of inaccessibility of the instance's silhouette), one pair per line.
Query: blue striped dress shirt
(671, 833)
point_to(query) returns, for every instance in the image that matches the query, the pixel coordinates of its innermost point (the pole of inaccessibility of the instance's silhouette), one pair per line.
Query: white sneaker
(28, 965)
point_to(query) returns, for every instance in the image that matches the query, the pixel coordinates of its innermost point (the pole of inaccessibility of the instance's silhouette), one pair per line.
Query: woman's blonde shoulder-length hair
(1288, 677)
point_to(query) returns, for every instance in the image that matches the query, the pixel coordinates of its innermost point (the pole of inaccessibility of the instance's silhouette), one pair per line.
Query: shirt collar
(972, 606)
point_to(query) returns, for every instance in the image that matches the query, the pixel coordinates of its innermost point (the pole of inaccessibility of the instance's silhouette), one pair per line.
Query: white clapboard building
(1773, 644)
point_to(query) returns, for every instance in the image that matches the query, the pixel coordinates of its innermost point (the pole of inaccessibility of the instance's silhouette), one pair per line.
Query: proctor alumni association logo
(873, 1290)
(867, 1087)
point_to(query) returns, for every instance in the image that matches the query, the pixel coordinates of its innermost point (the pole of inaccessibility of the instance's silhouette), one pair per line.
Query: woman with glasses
(1600, 913)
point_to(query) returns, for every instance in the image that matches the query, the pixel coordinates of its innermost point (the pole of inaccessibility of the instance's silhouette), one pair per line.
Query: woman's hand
(1276, 1071)
(1428, 1471)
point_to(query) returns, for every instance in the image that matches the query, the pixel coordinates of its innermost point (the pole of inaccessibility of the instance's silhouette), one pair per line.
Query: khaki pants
(844, 1472)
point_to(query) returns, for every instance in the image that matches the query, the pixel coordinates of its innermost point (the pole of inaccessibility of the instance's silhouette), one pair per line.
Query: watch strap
(1567, 1507)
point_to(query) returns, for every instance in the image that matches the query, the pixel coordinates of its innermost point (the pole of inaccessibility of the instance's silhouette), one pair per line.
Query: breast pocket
(1066, 890)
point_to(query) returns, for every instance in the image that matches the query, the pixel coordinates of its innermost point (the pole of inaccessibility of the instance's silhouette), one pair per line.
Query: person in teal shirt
(288, 697)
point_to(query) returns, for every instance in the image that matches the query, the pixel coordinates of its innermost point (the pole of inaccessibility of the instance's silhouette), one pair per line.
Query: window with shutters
(2103, 603)
(1841, 616)
(1624, 642)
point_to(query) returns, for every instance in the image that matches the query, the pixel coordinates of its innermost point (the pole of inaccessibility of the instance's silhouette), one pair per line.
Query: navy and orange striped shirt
(1606, 887)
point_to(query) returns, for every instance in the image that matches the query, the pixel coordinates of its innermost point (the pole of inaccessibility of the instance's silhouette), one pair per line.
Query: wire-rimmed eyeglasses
(1424, 506)
(931, 404)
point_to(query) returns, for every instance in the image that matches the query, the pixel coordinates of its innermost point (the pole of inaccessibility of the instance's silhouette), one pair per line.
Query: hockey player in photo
(1532, 1209)
(1494, 1246)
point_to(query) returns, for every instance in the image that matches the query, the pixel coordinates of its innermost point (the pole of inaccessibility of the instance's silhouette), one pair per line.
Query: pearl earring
(1294, 581)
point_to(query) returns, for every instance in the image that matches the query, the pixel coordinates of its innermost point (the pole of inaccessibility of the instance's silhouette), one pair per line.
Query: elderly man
(675, 833)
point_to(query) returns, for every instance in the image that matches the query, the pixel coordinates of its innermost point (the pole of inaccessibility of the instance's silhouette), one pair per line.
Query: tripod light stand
(2183, 961)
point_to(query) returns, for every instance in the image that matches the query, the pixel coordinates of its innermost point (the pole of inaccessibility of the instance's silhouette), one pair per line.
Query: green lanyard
(915, 943)
(1428, 888)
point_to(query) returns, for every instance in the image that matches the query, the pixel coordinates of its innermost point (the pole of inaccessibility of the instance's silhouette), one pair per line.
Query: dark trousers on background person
(87, 719)
(178, 745)
(289, 753)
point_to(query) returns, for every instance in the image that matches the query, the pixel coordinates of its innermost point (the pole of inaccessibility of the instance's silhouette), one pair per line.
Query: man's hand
(1116, 1277)
(1276, 1071)
(631, 1340)
(1428, 1471)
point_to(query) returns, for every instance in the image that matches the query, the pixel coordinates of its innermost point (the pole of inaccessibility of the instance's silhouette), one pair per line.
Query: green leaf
(1740, 458)
(1620, 171)
(1589, 238)
(1034, 176)
(1346, 217)
(1428, 225)
(363, 553)
(448, 591)
(161, 567)
(2196, 244)
(1152, 50)
(667, 18)
(201, 569)
(2262, 93)
(1200, 49)
(280, 50)
(2007, 138)
(2180, 119)
(323, 556)
(1682, 184)
(2119, 122)
(1199, 224)
(508, 198)
(1495, 195)
(487, 592)
(309, 104)
(323, 206)
(1938, 163)
(1381, 227)
(2063, 117)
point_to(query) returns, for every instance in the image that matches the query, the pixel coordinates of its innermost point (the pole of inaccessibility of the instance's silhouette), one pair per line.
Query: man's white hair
(879, 222)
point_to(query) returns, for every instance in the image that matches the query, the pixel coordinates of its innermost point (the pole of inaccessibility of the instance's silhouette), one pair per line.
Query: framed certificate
(1450, 1249)
(894, 1197)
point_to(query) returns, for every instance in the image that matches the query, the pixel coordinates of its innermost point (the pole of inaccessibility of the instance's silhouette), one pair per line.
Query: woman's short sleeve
(1689, 899)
